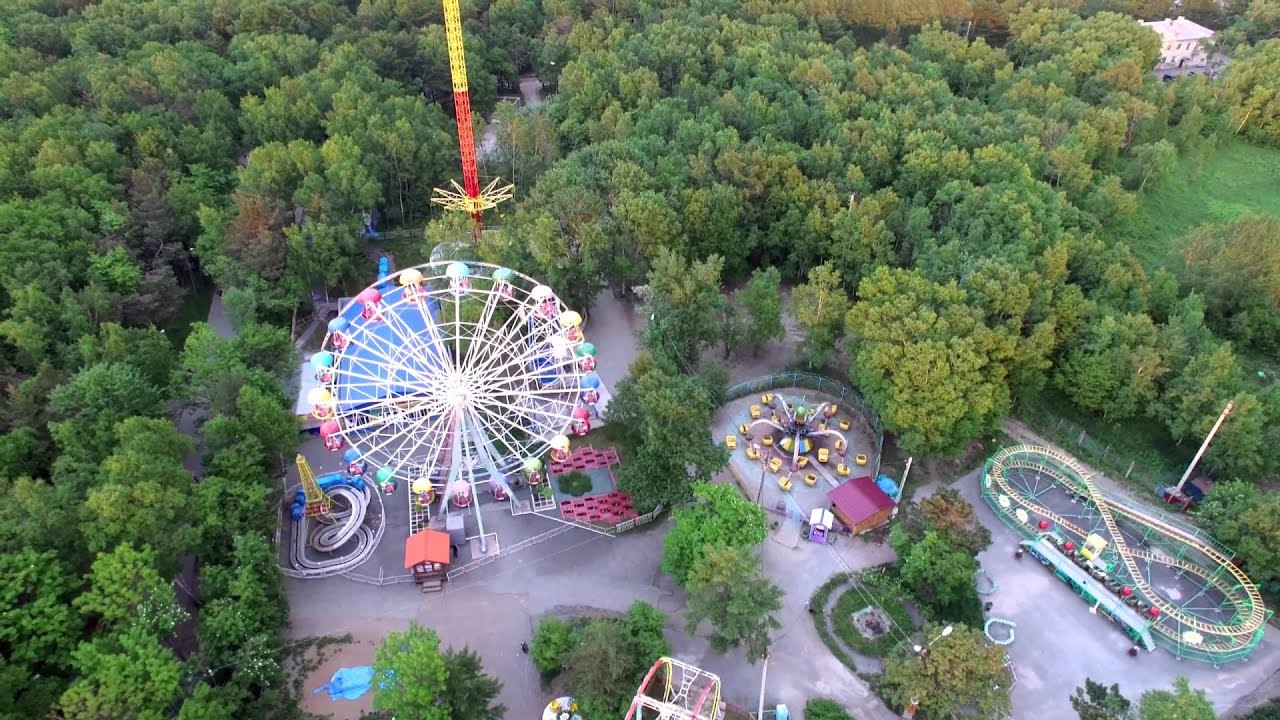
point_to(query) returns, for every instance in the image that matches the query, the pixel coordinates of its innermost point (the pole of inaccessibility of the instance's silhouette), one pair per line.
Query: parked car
(1166, 78)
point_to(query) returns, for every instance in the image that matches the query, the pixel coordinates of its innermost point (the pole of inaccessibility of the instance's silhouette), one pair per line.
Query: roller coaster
(1181, 583)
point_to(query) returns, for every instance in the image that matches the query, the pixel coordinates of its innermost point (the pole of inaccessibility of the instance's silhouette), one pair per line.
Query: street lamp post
(764, 673)
(763, 466)
(923, 652)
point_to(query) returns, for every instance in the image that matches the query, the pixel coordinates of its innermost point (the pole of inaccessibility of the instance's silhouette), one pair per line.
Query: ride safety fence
(811, 381)
(1193, 598)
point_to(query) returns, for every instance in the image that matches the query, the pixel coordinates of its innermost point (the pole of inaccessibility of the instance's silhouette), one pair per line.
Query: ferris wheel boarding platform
(1164, 582)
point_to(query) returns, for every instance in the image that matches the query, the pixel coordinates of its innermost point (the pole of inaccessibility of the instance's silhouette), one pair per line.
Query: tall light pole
(1204, 446)
(923, 652)
(764, 673)
(763, 466)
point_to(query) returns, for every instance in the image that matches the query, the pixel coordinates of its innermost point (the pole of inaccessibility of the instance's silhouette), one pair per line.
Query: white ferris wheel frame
(429, 415)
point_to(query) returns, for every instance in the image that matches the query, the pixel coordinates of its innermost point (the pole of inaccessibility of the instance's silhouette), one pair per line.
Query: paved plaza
(494, 608)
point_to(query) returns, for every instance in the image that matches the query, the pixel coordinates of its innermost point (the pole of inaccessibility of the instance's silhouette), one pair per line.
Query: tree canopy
(721, 518)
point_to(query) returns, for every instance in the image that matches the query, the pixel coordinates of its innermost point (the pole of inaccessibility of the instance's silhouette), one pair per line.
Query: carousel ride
(451, 379)
(797, 426)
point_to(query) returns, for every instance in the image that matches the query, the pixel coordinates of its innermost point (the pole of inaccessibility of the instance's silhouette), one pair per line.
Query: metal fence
(813, 381)
(1120, 465)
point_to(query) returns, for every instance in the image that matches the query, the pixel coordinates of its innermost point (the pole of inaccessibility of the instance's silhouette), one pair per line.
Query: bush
(574, 483)
(817, 602)
(551, 644)
(824, 709)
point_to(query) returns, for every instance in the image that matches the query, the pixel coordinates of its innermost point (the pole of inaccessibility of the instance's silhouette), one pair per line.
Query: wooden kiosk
(426, 554)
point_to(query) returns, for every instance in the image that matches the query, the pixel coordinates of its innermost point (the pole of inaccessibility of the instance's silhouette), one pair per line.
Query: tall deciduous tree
(120, 584)
(938, 572)
(468, 692)
(129, 674)
(601, 670)
(1181, 702)
(37, 626)
(1237, 267)
(762, 300)
(1247, 521)
(962, 670)
(726, 588)
(722, 518)
(664, 415)
(87, 409)
(1095, 701)
(819, 307)
(680, 302)
(410, 675)
(926, 361)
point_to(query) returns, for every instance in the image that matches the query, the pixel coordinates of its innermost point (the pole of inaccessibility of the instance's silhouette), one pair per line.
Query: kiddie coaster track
(1162, 580)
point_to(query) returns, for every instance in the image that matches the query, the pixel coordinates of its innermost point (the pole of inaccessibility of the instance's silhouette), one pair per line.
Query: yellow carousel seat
(860, 459)
(784, 482)
(823, 455)
(843, 470)
(810, 479)
(767, 440)
(844, 424)
(755, 412)
(839, 445)
(752, 453)
(803, 461)
(775, 464)
(730, 442)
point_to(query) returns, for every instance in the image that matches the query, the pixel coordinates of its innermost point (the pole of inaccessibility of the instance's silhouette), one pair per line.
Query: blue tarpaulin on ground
(348, 683)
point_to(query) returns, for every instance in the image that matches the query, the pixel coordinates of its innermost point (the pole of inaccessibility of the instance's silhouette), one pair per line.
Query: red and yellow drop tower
(470, 197)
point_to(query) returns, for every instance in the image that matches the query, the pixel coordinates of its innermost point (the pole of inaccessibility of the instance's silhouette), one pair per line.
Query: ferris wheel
(450, 375)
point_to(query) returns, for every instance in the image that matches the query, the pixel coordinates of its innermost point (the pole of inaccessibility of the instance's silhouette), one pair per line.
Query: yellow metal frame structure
(318, 502)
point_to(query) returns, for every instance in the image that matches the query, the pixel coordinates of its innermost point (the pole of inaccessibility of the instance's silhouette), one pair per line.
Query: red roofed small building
(426, 553)
(860, 504)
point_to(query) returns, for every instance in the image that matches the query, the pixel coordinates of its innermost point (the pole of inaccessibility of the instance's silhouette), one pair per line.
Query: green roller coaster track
(1152, 540)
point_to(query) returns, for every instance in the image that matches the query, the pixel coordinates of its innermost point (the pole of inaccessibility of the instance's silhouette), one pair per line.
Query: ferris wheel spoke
(482, 438)
(507, 330)
(532, 342)
(527, 376)
(503, 427)
(395, 434)
(456, 391)
(429, 405)
(380, 351)
(411, 341)
(539, 417)
(486, 317)
(434, 437)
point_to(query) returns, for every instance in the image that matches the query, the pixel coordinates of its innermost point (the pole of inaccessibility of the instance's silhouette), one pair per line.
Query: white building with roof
(1182, 42)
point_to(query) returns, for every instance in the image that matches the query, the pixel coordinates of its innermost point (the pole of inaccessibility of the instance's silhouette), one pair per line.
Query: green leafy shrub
(551, 643)
(575, 483)
(824, 709)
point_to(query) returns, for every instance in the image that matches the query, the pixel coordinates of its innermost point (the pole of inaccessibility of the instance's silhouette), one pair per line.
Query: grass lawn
(1235, 180)
(1109, 444)
(855, 599)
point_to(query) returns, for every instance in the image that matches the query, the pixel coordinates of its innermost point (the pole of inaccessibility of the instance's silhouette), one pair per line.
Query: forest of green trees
(942, 204)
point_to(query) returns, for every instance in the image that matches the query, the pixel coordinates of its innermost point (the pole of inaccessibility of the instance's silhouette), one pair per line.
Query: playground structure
(675, 690)
(1164, 582)
(799, 427)
(334, 529)
(451, 376)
